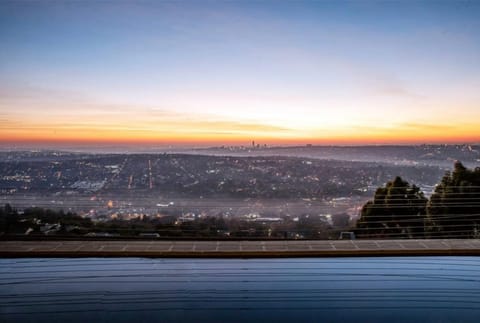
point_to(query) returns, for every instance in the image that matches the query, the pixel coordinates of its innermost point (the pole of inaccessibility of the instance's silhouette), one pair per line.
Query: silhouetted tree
(397, 211)
(454, 207)
(341, 220)
(7, 218)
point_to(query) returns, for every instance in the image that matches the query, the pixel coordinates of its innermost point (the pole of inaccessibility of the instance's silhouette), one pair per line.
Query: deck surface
(288, 248)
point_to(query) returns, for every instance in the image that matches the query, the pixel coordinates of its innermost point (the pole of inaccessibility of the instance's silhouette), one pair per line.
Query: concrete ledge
(239, 249)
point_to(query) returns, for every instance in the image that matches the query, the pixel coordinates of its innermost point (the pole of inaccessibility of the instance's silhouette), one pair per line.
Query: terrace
(239, 248)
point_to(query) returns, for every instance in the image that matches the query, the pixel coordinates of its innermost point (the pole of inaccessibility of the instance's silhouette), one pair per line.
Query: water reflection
(428, 289)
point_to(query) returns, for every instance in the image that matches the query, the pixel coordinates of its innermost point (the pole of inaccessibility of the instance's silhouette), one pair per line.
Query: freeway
(267, 248)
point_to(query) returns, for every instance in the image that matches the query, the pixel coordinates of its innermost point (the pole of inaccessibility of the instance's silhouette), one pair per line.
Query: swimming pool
(377, 289)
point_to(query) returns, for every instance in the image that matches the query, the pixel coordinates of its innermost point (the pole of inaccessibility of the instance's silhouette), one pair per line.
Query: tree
(341, 220)
(7, 218)
(454, 207)
(397, 211)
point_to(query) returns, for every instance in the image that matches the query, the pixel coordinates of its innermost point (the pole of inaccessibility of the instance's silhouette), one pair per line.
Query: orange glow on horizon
(241, 140)
(205, 132)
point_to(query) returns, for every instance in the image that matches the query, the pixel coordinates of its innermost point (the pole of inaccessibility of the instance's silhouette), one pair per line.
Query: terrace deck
(286, 248)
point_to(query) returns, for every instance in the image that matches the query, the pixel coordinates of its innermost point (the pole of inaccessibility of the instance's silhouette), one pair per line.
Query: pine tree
(454, 207)
(397, 211)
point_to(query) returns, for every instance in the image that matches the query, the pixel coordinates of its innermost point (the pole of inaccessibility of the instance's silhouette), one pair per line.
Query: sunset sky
(212, 72)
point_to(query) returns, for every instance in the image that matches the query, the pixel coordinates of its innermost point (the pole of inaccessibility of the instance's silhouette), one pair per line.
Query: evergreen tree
(397, 211)
(454, 207)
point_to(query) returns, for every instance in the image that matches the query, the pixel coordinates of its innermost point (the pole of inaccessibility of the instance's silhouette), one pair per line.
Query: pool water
(379, 289)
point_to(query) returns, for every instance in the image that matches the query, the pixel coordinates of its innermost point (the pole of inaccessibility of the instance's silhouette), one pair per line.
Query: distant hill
(429, 155)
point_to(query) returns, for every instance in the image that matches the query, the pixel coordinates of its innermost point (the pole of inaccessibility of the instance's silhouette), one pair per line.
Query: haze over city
(209, 73)
(254, 147)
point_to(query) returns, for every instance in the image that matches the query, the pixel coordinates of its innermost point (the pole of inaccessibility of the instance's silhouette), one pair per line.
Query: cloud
(6, 123)
(406, 126)
(428, 126)
(396, 89)
(23, 91)
(28, 115)
(190, 127)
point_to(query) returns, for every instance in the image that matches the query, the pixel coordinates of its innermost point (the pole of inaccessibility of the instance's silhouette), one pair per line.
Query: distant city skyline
(205, 73)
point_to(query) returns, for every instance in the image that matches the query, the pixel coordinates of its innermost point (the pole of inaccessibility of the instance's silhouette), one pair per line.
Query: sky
(226, 73)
